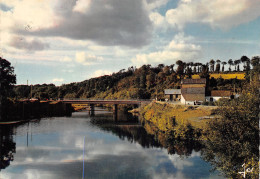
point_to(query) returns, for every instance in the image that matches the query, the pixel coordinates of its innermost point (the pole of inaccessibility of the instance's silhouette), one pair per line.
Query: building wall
(190, 102)
(182, 100)
(174, 98)
(215, 98)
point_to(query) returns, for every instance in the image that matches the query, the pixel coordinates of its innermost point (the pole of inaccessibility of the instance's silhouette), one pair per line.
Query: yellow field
(195, 76)
(239, 76)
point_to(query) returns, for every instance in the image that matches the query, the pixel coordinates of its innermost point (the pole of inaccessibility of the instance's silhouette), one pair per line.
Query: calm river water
(52, 148)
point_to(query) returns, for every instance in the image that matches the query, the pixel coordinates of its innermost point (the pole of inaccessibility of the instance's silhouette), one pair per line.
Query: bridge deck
(78, 101)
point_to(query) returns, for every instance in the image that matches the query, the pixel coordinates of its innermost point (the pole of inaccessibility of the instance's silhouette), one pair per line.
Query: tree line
(133, 83)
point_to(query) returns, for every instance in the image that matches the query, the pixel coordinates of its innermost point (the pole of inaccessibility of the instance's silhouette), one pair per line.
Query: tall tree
(218, 66)
(172, 68)
(235, 64)
(230, 62)
(223, 66)
(238, 64)
(255, 63)
(7, 80)
(180, 68)
(212, 63)
(244, 59)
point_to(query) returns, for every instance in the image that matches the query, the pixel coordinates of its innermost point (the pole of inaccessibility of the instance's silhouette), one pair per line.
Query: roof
(194, 81)
(172, 91)
(193, 86)
(220, 93)
(194, 97)
(193, 91)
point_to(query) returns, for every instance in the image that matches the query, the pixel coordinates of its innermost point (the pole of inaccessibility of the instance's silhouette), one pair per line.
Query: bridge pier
(92, 110)
(115, 112)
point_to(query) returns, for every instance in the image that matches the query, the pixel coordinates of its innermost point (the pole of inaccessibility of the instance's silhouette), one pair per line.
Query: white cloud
(88, 59)
(101, 73)
(29, 15)
(57, 80)
(82, 6)
(66, 59)
(180, 48)
(223, 14)
(158, 20)
(154, 4)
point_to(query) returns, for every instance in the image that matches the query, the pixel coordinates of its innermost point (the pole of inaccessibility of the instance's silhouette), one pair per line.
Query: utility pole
(31, 91)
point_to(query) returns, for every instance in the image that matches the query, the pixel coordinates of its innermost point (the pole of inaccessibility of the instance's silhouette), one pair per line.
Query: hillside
(146, 82)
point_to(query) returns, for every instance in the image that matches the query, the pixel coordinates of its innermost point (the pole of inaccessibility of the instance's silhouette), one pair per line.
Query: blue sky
(57, 41)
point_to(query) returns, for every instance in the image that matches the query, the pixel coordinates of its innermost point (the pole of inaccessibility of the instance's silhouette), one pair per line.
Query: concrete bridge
(115, 102)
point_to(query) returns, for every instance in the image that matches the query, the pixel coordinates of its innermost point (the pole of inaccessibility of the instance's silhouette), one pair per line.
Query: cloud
(82, 6)
(221, 14)
(109, 23)
(101, 73)
(57, 80)
(25, 13)
(154, 4)
(180, 48)
(66, 59)
(158, 20)
(30, 45)
(84, 59)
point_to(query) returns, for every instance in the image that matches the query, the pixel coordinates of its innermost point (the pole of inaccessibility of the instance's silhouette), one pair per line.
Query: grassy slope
(161, 114)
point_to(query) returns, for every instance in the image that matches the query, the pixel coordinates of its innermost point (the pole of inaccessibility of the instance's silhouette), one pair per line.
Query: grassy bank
(178, 119)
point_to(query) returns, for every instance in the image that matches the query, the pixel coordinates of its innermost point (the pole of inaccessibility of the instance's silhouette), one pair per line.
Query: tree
(234, 138)
(7, 80)
(199, 67)
(236, 63)
(218, 66)
(205, 71)
(160, 66)
(166, 70)
(255, 63)
(223, 66)
(180, 68)
(212, 63)
(230, 62)
(150, 79)
(189, 72)
(244, 59)
(171, 67)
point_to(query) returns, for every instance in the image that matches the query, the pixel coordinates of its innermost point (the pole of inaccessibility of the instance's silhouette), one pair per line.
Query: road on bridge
(93, 101)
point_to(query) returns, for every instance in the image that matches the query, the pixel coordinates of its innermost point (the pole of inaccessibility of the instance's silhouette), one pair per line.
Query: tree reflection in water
(227, 157)
(7, 146)
(128, 127)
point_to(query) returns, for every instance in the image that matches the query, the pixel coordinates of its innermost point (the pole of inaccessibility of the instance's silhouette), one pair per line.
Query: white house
(193, 91)
(217, 94)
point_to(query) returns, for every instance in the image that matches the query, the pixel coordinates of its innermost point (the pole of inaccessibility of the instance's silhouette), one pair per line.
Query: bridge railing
(100, 99)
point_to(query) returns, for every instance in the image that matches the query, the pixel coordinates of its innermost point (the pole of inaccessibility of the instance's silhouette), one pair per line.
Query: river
(52, 148)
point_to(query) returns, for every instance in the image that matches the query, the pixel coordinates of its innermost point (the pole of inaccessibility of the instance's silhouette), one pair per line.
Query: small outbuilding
(217, 94)
(173, 94)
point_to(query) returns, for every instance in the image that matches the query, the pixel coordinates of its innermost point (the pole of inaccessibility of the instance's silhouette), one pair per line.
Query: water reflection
(7, 147)
(113, 149)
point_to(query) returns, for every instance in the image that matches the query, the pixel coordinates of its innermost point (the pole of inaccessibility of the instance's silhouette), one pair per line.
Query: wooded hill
(146, 82)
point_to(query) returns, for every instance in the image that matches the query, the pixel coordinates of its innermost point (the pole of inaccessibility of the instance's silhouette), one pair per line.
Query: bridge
(114, 102)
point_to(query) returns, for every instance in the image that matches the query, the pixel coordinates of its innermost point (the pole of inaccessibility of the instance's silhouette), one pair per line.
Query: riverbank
(183, 121)
(25, 110)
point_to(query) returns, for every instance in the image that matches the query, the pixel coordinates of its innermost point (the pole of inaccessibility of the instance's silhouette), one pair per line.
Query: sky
(64, 41)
